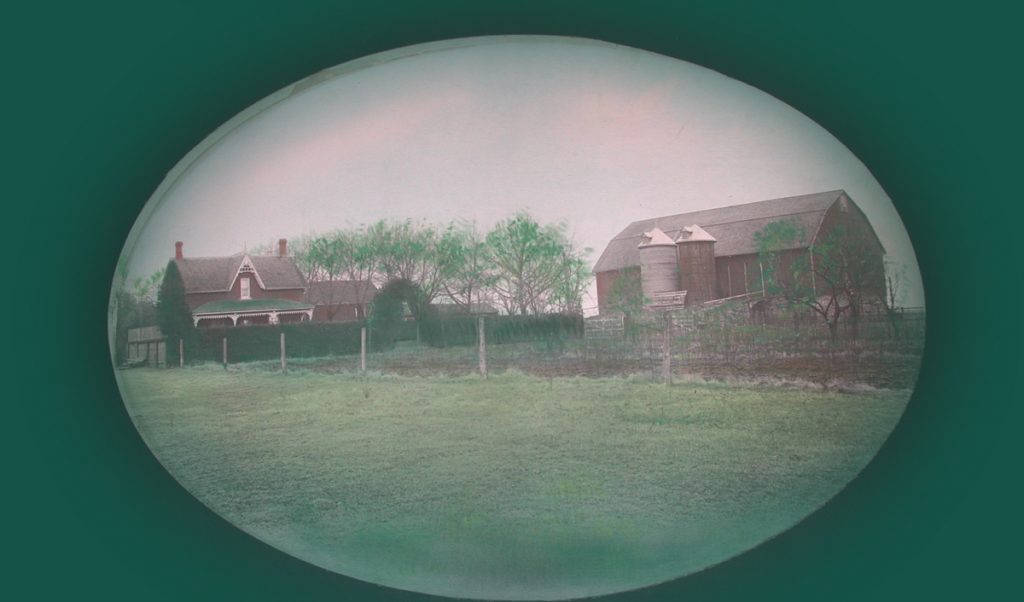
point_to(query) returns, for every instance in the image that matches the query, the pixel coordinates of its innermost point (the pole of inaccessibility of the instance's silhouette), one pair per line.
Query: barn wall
(860, 240)
(741, 274)
(607, 282)
(344, 312)
(738, 275)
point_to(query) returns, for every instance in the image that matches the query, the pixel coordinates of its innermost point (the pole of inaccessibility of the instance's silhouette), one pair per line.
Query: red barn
(696, 257)
(244, 289)
(340, 300)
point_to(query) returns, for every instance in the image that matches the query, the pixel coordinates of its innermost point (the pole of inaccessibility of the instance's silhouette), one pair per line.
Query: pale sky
(590, 133)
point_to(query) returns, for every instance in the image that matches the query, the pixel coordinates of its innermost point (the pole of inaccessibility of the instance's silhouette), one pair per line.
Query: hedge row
(316, 339)
(263, 342)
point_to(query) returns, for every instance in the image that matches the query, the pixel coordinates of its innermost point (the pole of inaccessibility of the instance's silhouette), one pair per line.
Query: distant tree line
(520, 265)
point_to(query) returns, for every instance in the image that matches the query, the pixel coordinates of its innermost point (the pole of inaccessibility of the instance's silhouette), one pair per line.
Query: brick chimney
(282, 247)
(178, 254)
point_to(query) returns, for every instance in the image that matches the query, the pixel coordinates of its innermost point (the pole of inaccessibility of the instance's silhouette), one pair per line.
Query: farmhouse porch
(251, 311)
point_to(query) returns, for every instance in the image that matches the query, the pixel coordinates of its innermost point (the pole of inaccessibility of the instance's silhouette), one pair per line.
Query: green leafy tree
(523, 265)
(409, 251)
(528, 262)
(387, 313)
(567, 295)
(467, 264)
(832, 278)
(144, 289)
(173, 314)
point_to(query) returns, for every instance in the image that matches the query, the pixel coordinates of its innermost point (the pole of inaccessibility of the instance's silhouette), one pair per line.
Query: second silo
(696, 254)
(659, 268)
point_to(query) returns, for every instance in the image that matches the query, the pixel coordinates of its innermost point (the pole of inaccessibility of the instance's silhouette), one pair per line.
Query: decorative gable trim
(248, 269)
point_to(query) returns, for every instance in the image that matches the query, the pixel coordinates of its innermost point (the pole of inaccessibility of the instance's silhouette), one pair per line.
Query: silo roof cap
(694, 233)
(655, 237)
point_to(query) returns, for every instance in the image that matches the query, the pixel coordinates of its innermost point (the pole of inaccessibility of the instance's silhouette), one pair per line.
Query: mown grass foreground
(512, 487)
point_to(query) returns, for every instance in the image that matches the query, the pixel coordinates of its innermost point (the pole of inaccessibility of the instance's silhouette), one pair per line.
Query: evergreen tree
(173, 314)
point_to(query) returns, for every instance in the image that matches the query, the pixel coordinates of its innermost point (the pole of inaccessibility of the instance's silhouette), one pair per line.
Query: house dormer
(245, 274)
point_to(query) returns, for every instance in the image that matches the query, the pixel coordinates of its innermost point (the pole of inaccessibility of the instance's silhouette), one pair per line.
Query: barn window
(245, 288)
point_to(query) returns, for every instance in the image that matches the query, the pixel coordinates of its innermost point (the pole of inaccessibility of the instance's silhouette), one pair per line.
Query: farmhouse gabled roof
(341, 292)
(732, 227)
(217, 274)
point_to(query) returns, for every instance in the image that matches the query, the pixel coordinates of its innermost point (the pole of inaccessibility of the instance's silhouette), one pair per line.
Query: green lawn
(513, 487)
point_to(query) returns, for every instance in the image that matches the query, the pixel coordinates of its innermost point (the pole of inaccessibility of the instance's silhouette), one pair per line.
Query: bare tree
(340, 255)
(410, 251)
(888, 297)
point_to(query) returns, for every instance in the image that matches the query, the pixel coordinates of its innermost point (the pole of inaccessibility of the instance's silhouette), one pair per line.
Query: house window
(245, 288)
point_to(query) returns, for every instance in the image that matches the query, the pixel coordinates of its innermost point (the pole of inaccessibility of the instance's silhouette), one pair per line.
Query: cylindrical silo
(696, 253)
(659, 270)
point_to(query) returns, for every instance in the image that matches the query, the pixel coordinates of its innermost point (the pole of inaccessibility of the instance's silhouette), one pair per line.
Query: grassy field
(511, 487)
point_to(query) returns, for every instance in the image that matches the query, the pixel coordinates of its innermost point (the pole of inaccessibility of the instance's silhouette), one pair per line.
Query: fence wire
(878, 349)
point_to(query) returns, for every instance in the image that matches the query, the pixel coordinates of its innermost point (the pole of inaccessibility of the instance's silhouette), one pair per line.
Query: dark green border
(103, 100)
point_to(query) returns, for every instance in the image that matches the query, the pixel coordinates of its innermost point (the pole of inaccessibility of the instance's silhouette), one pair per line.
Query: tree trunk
(855, 319)
(833, 331)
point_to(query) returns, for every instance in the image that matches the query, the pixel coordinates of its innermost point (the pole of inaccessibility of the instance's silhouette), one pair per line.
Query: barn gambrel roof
(733, 227)
(217, 274)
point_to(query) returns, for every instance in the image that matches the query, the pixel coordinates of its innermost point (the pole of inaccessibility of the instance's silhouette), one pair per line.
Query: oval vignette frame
(470, 533)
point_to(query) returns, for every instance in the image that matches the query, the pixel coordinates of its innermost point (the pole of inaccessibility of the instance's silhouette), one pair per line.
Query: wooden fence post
(666, 351)
(362, 349)
(181, 353)
(483, 347)
(284, 364)
(224, 351)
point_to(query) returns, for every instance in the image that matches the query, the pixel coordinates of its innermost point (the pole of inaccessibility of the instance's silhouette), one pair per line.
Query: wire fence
(878, 348)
